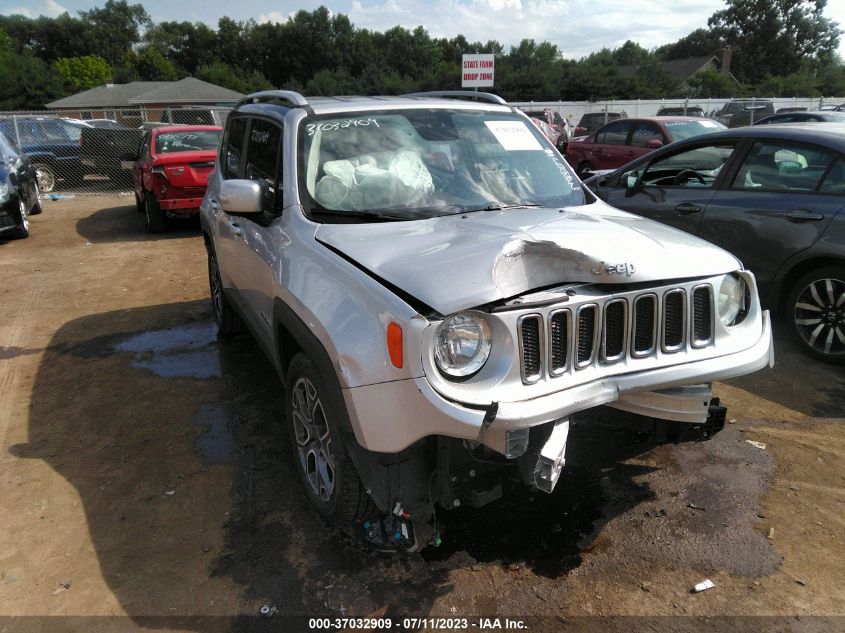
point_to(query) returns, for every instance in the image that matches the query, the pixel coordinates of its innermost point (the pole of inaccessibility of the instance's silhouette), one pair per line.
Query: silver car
(439, 294)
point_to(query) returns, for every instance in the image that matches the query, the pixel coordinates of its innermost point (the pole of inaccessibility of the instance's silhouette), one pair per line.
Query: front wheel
(313, 412)
(23, 221)
(585, 169)
(816, 312)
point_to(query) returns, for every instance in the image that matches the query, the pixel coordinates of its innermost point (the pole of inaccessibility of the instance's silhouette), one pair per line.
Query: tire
(583, 168)
(22, 231)
(816, 313)
(45, 176)
(139, 204)
(36, 208)
(229, 322)
(156, 219)
(318, 443)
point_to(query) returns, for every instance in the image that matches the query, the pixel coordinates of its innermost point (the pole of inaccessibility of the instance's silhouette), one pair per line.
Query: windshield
(7, 152)
(680, 130)
(423, 163)
(195, 140)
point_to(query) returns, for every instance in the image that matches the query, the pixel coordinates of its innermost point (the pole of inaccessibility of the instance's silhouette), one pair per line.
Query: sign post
(478, 71)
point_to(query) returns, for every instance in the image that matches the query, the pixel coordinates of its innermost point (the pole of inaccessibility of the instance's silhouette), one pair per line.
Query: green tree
(26, 82)
(85, 72)
(709, 83)
(152, 65)
(776, 37)
(221, 74)
(115, 28)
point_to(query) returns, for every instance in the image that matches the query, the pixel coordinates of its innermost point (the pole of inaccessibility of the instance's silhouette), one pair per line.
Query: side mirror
(242, 197)
(654, 143)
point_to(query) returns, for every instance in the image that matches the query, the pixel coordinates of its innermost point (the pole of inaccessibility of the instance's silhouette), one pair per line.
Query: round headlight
(462, 345)
(731, 299)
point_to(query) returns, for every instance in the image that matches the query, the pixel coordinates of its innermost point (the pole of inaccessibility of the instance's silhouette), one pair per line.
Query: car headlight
(4, 192)
(731, 299)
(462, 345)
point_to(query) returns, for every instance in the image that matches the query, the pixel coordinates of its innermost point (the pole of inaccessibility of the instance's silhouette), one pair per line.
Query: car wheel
(23, 221)
(155, 215)
(228, 320)
(584, 168)
(45, 177)
(139, 204)
(313, 415)
(816, 312)
(36, 208)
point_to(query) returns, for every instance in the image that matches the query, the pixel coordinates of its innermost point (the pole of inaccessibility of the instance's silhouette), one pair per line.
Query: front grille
(673, 320)
(586, 334)
(702, 316)
(645, 319)
(6, 220)
(615, 325)
(610, 330)
(529, 335)
(558, 341)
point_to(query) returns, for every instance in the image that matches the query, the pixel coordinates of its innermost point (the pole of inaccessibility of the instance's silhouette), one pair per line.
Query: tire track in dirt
(20, 327)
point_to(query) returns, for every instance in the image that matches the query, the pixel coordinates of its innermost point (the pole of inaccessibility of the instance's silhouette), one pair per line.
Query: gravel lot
(144, 473)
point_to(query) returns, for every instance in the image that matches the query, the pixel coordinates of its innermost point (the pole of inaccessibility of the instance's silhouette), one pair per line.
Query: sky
(577, 27)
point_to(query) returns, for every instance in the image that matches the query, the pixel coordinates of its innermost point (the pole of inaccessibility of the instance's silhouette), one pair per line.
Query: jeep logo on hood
(605, 268)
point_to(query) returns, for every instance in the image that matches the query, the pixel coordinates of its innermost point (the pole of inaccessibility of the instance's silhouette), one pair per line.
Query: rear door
(610, 149)
(228, 232)
(779, 202)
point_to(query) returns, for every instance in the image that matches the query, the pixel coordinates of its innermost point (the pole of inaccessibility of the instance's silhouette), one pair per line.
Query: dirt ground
(145, 479)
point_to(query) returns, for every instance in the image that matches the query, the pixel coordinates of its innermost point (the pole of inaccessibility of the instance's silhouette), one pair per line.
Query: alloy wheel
(819, 315)
(313, 439)
(45, 179)
(24, 216)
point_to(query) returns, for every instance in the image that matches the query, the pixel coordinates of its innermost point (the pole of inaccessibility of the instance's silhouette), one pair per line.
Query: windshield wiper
(369, 215)
(500, 206)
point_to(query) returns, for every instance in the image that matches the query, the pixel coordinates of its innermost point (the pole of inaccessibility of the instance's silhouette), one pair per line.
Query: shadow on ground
(174, 444)
(125, 224)
(797, 381)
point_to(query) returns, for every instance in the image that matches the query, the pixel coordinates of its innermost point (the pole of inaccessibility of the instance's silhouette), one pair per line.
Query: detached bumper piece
(552, 457)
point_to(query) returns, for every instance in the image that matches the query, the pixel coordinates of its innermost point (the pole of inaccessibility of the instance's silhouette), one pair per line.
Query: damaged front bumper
(389, 417)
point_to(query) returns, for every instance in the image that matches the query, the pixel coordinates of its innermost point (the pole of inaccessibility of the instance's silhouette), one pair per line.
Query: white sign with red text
(477, 71)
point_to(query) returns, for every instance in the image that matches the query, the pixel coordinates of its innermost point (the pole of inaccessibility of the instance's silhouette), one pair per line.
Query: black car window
(834, 182)
(697, 166)
(145, 146)
(263, 161)
(644, 132)
(234, 145)
(782, 167)
(615, 133)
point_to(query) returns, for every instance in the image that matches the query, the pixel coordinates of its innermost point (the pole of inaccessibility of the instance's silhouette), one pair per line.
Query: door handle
(803, 215)
(687, 208)
(237, 231)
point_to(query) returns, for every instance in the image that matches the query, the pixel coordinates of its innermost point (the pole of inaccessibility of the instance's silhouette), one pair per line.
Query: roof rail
(468, 95)
(289, 96)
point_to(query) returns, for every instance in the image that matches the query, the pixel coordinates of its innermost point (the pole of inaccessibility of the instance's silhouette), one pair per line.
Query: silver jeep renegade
(439, 294)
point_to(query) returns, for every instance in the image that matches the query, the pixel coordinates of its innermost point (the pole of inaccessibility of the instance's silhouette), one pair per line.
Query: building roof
(185, 91)
(682, 69)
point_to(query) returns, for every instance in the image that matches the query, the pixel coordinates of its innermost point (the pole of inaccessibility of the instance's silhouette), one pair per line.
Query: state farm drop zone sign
(478, 71)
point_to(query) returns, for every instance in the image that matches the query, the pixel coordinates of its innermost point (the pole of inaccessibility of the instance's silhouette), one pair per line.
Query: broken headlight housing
(462, 345)
(732, 300)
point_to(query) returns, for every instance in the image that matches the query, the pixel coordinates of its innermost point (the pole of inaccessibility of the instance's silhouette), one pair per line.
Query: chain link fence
(91, 151)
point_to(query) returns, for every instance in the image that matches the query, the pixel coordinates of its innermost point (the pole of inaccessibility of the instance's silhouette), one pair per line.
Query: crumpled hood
(456, 262)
